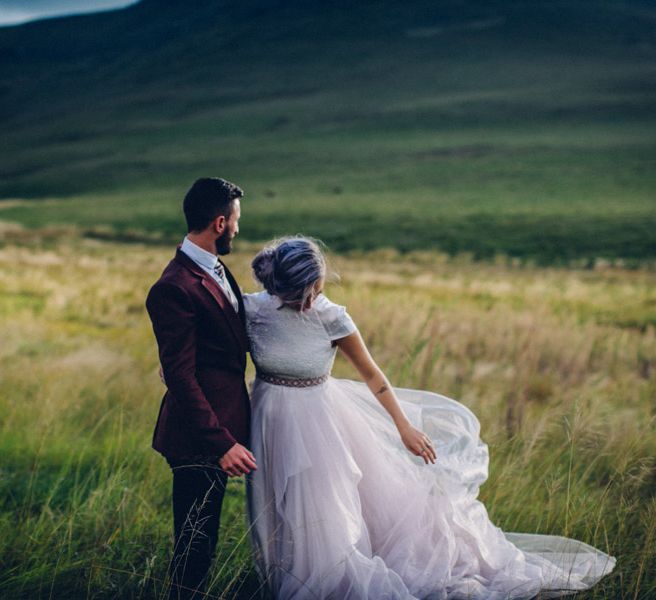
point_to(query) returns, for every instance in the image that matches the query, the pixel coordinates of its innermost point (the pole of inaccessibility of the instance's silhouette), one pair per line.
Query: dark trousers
(198, 489)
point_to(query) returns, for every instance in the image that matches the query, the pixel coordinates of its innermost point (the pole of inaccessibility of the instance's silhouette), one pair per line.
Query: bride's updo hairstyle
(289, 268)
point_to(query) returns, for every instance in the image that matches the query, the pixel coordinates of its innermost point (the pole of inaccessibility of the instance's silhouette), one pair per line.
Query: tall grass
(559, 365)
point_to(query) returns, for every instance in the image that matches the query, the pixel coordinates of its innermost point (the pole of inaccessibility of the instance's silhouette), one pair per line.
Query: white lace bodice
(294, 344)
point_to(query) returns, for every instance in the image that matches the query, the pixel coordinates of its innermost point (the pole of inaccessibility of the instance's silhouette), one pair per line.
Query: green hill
(521, 128)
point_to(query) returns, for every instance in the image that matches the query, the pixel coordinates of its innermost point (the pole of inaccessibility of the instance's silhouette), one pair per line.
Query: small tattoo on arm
(382, 390)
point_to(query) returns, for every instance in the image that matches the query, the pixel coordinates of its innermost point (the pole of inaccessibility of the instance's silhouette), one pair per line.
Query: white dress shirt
(207, 261)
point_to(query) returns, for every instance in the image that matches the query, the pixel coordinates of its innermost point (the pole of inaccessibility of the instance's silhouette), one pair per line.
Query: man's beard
(223, 244)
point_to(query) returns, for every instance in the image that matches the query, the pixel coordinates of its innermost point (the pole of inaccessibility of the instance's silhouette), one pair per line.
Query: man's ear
(219, 224)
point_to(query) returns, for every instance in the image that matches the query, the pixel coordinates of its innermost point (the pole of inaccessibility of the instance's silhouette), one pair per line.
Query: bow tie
(219, 271)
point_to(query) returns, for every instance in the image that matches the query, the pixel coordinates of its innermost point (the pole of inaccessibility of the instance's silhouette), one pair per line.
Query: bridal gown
(340, 509)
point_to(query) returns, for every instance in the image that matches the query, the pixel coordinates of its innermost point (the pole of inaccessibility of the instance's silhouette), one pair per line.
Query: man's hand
(237, 461)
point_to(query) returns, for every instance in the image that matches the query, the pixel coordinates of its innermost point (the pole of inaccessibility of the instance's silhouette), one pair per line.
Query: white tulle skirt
(340, 509)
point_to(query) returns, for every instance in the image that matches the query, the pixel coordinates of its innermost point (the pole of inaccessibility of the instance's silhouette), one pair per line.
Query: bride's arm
(356, 351)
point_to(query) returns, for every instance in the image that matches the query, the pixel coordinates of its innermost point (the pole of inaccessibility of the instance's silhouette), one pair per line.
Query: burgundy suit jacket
(202, 349)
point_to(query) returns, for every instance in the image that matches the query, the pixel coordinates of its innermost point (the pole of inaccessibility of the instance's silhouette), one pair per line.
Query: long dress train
(340, 509)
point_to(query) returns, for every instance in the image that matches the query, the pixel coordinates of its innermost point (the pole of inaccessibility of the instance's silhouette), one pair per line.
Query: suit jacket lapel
(235, 321)
(237, 292)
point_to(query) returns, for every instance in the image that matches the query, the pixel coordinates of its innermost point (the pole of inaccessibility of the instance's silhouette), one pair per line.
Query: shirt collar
(203, 258)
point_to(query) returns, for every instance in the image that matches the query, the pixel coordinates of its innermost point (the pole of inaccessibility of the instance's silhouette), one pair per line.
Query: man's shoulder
(177, 272)
(175, 279)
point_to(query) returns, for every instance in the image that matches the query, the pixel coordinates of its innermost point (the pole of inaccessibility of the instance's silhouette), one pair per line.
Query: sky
(13, 12)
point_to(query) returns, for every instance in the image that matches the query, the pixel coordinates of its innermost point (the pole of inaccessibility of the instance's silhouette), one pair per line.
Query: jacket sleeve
(174, 323)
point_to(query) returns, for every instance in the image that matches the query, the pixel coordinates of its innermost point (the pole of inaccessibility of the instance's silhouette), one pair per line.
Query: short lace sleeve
(334, 318)
(250, 304)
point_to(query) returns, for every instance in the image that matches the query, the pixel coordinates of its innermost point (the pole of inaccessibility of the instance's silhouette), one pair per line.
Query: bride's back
(289, 343)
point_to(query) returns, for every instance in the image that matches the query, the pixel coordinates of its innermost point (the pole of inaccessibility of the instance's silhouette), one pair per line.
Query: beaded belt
(291, 382)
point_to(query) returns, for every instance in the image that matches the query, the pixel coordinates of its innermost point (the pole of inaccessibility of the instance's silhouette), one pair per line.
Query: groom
(202, 429)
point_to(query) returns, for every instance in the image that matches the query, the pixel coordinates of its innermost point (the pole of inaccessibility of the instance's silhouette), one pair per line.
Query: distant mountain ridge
(173, 39)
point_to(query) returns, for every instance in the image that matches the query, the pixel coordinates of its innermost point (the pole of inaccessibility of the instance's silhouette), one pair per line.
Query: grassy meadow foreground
(559, 365)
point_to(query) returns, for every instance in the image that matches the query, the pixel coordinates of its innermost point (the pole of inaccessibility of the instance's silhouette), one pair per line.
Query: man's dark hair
(208, 198)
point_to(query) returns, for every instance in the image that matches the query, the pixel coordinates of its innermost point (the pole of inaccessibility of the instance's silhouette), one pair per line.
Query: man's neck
(202, 241)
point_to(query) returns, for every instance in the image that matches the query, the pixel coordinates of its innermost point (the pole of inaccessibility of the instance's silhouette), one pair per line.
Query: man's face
(224, 241)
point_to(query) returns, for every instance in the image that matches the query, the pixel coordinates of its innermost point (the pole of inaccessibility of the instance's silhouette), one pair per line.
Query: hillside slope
(427, 120)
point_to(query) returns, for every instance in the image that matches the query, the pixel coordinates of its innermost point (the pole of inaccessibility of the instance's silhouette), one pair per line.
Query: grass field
(559, 365)
(517, 195)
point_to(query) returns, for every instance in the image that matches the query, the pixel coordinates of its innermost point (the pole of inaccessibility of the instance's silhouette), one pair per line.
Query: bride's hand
(418, 443)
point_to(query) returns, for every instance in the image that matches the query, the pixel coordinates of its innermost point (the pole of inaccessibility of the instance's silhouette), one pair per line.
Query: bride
(365, 491)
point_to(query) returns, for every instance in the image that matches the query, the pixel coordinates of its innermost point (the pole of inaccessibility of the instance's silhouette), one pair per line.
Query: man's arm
(174, 323)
